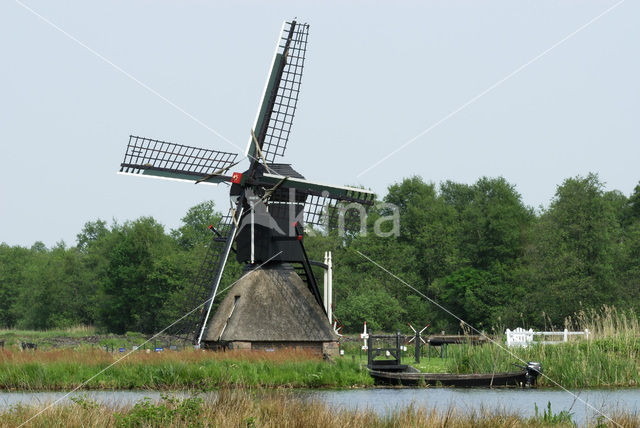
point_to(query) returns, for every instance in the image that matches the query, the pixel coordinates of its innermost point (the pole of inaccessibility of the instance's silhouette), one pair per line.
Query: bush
(185, 412)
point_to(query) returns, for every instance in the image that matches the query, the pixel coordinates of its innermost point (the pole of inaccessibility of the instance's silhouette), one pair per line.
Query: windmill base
(321, 349)
(271, 309)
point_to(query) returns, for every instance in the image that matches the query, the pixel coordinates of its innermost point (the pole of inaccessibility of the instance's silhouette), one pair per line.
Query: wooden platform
(439, 340)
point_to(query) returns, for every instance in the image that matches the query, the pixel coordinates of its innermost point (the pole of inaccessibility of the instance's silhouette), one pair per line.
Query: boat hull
(487, 380)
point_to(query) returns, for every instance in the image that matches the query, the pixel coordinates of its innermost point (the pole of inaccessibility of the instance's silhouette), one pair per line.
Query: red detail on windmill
(295, 225)
(236, 177)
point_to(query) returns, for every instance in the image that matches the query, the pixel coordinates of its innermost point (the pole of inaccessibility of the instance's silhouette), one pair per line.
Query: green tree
(54, 293)
(574, 251)
(195, 226)
(490, 235)
(140, 278)
(13, 261)
(476, 296)
(630, 271)
(92, 231)
(429, 225)
(633, 205)
(493, 220)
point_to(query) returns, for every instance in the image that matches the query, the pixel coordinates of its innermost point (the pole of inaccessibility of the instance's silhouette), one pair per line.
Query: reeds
(259, 408)
(99, 356)
(608, 322)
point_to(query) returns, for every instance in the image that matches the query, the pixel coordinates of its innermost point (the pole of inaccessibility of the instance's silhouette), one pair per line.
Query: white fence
(523, 338)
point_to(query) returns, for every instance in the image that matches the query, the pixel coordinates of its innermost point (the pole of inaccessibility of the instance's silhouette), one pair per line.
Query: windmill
(276, 302)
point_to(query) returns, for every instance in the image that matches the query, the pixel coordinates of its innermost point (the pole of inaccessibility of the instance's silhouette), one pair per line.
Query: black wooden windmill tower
(276, 302)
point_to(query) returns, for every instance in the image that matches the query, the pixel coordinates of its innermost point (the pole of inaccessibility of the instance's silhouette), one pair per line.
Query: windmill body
(267, 231)
(276, 302)
(271, 308)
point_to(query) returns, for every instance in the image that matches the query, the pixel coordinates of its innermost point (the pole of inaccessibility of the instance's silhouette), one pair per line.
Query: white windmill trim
(299, 180)
(266, 85)
(157, 177)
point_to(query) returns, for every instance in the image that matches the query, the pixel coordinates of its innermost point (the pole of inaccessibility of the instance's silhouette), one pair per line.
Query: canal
(382, 401)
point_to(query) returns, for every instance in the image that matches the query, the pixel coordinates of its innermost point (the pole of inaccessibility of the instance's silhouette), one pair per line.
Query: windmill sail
(161, 159)
(229, 234)
(342, 193)
(280, 98)
(325, 205)
(199, 289)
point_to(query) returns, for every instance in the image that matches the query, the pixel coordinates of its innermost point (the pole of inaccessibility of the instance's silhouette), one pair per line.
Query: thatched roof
(269, 305)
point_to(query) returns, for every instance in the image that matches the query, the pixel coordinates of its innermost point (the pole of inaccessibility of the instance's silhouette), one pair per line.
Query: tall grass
(610, 358)
(65, 369)
(608, 322)
(242, 408)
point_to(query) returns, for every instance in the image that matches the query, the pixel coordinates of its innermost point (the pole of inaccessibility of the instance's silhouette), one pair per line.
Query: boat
(391, 371)
(406, 375)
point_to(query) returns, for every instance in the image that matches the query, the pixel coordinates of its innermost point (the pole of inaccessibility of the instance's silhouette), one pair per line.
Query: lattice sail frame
(280, 98)
(327, 211)
(173, 161)
(200, 286)
(330, 213)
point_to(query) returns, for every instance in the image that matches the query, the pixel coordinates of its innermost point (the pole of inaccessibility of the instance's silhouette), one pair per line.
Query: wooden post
(418, 344)
(330, 284)
(325, 289)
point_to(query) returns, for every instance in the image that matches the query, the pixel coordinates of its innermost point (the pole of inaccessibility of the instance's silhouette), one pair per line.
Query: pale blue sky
(377, 75)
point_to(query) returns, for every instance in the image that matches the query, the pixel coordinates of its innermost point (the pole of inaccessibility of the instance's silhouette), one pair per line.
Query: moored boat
(409, 376)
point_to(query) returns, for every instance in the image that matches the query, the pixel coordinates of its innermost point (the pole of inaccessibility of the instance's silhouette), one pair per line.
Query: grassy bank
(66, 368)
(611, 358)
(597, 363)
(604, 362)
(81, 336)
(241, 408)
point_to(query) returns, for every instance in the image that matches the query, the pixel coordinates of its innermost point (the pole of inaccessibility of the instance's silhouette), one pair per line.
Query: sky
(533, 91)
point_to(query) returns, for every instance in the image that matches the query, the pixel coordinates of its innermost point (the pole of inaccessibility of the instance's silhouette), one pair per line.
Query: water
(520, 401)
(113, 399)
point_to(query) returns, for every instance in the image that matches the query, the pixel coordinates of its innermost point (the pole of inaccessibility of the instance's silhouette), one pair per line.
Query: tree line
(477, 250)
